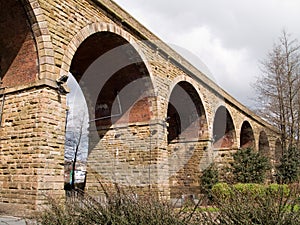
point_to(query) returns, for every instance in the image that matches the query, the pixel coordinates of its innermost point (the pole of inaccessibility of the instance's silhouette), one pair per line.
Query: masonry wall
(31, 155)
(131, 156)
(80, 19)
(33, 121)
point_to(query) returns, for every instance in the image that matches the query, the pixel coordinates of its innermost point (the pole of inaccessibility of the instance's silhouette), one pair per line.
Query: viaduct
(155, 121)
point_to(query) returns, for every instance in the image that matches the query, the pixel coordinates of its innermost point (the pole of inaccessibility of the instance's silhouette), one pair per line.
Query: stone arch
(192, 82)
(118, 89)
(187, 139)
(224, 135)
(278, 150)
(263, 144)
(91, 29)
(94, 29)
(113, 67)
(186, 115)
(247, 139)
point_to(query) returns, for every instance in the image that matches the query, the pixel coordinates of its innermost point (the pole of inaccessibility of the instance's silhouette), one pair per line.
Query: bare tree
(77, 124)
(278, 89)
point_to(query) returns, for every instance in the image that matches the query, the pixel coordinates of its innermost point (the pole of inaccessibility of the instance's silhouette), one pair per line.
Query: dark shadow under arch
(263, 144)
(246, 136)
(114, 80)
(186, 114)
(223, 129)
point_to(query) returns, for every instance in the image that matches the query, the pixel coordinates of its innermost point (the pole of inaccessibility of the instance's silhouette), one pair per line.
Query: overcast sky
(230, 37)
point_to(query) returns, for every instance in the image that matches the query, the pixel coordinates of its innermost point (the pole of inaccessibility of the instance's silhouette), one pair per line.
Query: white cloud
(224, 64)
(231, 36)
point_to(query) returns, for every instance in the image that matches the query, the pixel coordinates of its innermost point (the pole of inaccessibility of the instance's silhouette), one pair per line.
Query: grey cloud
(251, 24)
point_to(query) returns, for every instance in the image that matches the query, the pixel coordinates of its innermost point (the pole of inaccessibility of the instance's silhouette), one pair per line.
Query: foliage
(274, 188)
(289, 168)
(118, 208)
(251, 188)
(249, 166)
(223, 190)
(243, 204)
(209, 178)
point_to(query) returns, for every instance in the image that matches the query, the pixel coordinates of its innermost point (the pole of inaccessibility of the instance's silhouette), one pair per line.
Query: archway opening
(263, 144)
(114, 80)
(246, 136)
(124, 85)
(119, 95)
(223, 129)
(187, 140)
(186, 115)
(76, 136)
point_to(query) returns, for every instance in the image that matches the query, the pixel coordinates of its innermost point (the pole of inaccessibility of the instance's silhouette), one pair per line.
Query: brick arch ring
(208, 155)
(42, 38)
(234, 123)
(91, 29)
(193, 83)
(255, 134)
(226, 106)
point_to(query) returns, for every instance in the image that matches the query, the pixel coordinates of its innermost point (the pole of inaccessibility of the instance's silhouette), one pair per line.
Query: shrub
(208, 179)
(236, 204)
(221, 190)
(119, 208)
(250, 188)
(289, 167)
(271, 205)
(249, 166)
(275, 188)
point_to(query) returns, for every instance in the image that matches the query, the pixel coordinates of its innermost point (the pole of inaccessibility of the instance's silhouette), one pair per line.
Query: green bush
(118, 209)
(221, 190)
(275, 188)
(289, 168)
(249, 166)
(250, 188)
(208, 179)
(243, 205)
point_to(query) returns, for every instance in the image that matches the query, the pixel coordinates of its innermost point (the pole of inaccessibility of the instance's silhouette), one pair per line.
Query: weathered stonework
(32, 139)
(145, 147)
